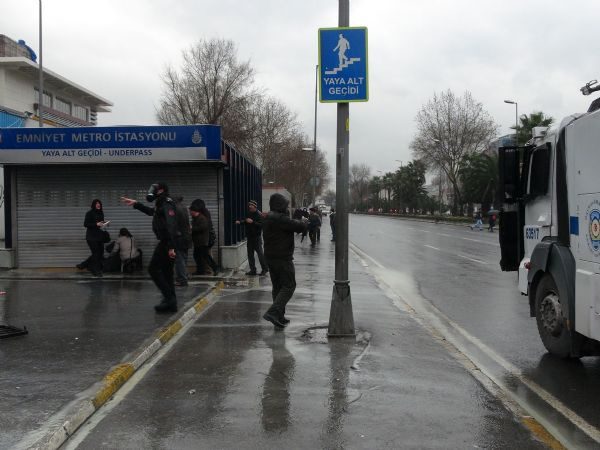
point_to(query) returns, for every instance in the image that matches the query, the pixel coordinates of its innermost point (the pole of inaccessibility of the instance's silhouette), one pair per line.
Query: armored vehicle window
(540, 171)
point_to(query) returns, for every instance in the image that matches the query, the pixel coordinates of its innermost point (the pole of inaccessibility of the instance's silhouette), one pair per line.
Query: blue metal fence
(242, 182)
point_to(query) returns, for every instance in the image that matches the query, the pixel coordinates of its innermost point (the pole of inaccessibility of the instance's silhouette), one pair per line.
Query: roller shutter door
(52, 202)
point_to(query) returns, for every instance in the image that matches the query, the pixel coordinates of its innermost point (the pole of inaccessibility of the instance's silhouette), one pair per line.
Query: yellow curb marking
(537, 429)
(112, 382)
(201, 304)
(120, 374)
(169, 332)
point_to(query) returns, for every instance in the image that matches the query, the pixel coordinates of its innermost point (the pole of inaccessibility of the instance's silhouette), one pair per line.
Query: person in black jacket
(94, 222)
(183, 242)
(278, 231)
(164, 225)
(314, 226)
(253, 223)
(332, 224)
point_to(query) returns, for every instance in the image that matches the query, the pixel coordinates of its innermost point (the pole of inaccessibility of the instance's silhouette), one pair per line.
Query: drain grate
(7, 331)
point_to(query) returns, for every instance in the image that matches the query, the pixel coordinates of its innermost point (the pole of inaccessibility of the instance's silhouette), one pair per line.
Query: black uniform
(278, 230)
(255, 241)
(95, 239)
(164, 225)
(332, 224)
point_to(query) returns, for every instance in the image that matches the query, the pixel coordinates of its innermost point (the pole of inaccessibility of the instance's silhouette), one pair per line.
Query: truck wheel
(550, 318)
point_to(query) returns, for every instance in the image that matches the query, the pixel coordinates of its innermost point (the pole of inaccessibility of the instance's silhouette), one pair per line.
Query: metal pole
(516, 124)
(341, 320)
(314, 168)
(41, 70)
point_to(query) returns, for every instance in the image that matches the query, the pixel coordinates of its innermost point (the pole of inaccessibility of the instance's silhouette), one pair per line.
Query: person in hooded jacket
(94, 223)
(254, 242)
(164, 225)
(201, 226)
(278, 234)
(182, 243)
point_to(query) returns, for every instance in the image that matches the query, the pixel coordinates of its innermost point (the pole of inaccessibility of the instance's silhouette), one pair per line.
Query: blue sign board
(110, 144)
(343, 69)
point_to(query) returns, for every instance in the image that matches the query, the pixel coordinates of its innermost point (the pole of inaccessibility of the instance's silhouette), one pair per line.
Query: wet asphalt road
(78, 330)
(232, 382)
(458, 271)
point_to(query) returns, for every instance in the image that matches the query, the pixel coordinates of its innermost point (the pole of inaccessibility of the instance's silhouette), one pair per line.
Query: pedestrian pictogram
(343, 64)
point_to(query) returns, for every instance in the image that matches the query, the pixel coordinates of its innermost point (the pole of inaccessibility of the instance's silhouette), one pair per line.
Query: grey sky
(537, 52)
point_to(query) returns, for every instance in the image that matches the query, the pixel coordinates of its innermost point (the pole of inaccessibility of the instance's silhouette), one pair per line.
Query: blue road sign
(343, 69)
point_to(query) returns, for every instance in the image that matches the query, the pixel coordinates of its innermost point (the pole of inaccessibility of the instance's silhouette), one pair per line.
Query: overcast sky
(538, 53)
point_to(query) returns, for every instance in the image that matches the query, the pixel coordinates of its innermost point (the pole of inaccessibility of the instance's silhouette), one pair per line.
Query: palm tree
(527, 123)
(479, 176)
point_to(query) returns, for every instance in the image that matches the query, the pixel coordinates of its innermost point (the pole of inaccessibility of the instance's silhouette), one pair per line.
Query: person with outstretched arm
(164, 225)
(278, 234)
(254, 241)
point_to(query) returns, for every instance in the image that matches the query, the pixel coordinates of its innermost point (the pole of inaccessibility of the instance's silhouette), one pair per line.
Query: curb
(85, 277)
(116, 377)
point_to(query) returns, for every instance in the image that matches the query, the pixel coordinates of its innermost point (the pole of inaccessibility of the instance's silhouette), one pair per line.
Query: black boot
(166, 306)
(274, 319)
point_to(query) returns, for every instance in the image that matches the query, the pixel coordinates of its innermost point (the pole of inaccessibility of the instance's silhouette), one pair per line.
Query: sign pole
(341, 319)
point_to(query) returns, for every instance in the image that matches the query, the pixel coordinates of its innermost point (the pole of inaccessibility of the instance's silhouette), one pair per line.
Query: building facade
(65, 103)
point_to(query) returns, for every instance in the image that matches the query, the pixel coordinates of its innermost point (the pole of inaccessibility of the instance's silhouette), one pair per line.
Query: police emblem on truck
(593, 232)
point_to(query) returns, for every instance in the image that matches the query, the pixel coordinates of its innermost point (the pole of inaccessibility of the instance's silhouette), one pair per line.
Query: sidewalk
(78, 330)
(233, 381)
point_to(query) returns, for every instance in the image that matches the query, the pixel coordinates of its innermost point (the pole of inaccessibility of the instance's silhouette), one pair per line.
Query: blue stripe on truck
(574, 225)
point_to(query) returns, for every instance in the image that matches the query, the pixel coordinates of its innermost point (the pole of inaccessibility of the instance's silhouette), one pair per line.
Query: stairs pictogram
(343, 66)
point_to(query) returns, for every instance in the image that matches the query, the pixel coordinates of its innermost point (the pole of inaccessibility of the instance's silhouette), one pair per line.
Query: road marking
(433, 318)
(431, 246)
(471, 259)
(480, 241)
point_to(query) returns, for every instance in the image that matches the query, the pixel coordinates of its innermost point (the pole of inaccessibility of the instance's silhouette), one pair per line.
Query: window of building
(62, 105)
(47, 97)
(80, 112)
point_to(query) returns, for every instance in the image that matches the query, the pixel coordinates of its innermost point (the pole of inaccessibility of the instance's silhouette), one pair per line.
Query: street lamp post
(41, 70)
(314, 165)
(314, 147)
(512, 102)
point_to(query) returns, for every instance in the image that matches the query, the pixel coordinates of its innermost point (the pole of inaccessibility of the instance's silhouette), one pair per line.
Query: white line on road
(431, 246)
(471, 259)
(448, 328)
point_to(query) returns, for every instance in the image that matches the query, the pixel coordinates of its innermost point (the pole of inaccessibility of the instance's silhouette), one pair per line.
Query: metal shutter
(52, 202)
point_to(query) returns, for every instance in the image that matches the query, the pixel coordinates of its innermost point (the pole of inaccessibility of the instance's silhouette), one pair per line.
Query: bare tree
(448, 129)
(360, 175)
(275, 129)
(329, 197)
(295, 169)
(211, 87)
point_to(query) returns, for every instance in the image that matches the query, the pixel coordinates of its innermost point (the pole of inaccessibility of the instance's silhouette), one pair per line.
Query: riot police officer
(164, 225)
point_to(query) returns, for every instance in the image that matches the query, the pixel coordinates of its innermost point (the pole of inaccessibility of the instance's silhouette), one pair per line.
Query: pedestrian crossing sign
(343, 72)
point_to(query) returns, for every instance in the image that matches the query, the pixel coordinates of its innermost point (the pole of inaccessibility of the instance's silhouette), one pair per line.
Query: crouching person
(278, 235)
(130, 257)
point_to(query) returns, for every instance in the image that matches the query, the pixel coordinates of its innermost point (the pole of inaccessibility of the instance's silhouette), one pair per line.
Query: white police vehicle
(550, 229)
